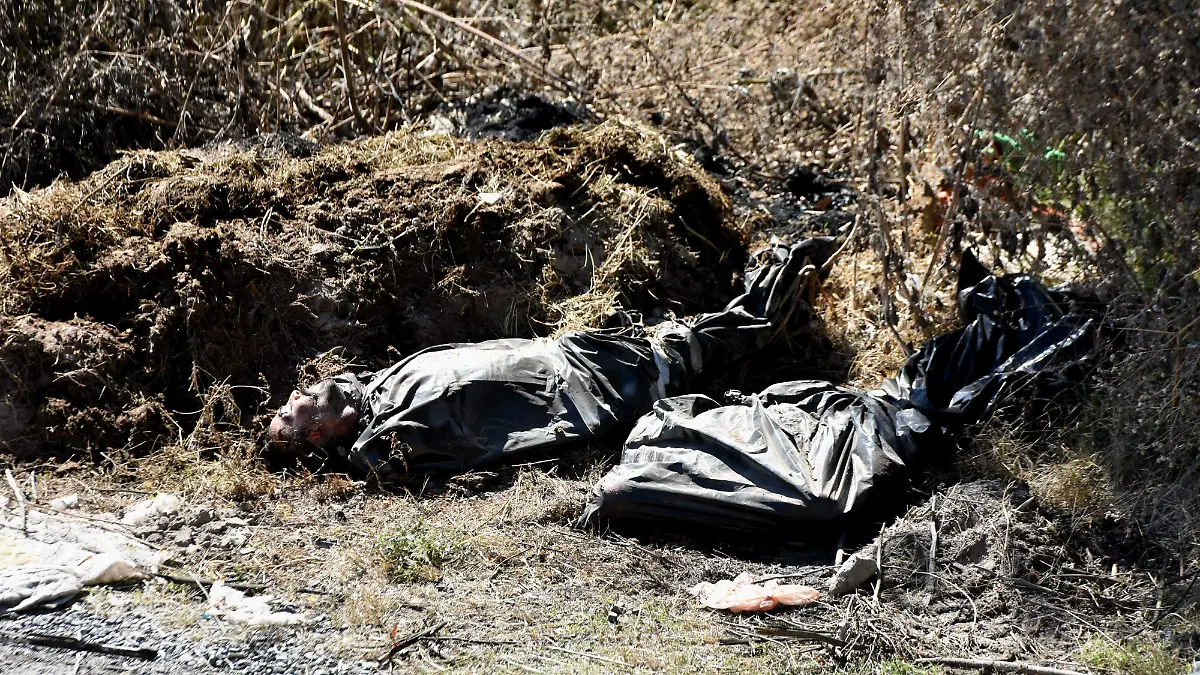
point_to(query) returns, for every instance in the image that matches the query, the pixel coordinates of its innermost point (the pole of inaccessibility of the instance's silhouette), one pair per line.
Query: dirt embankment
(125, 298)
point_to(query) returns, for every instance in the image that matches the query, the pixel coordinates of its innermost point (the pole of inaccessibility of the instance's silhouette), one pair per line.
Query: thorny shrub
(1104, 97)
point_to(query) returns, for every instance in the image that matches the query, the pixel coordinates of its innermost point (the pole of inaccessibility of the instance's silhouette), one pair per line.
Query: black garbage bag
(796, 452)
(774, 298)
(1018, 336)
(454, 407)
(807, 451)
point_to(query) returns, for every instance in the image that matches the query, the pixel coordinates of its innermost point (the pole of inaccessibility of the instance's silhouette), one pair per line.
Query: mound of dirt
(980, 569)
(126, 297)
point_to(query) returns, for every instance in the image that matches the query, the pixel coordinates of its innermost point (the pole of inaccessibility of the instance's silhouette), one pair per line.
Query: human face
(315, 414)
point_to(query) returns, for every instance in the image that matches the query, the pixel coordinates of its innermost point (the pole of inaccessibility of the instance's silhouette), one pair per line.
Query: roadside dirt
(156, 310)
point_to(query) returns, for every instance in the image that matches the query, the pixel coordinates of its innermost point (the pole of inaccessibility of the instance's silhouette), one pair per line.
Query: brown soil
(131, 295)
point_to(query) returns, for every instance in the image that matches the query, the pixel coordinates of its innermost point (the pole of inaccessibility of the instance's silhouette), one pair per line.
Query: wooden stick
(842, 249)
(64, 642)
(190, 579)
(590, 656)
(412, 639)
(801, 634)
(999, 666)
(878, 566)
(12, 483)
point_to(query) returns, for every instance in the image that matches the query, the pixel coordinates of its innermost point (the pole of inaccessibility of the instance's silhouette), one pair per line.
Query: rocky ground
(107, 619)
(517, 588)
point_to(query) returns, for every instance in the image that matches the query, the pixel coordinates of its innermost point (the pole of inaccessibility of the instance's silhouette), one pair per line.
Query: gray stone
(215, 527)
(233, 540)
(202, 516)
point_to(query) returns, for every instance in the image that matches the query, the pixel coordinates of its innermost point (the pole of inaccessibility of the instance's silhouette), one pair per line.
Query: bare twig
(960, 589)
(955, 189)
(801, 634)
(12, 483)
(879, 565)
(430, 633)
(544, 72)
(140, 115)
(596, 657)
(351, 90)
(416, 637)
(307, 102)
(842, 249)
(999, 666)
(933, 534)
(64, 642)
(189, 579)
(885, 256)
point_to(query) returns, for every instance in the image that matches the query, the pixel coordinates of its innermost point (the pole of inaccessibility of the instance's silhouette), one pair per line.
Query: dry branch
(64, 642)
(999, 666)
(549, 75)
(351, 89)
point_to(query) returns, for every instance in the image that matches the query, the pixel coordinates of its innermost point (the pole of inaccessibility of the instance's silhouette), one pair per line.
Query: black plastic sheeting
(454, 407)
(806, 451)
(797, 451)
(1019, 337)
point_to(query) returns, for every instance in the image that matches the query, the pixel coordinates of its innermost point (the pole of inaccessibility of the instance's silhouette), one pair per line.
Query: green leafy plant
(417, 553)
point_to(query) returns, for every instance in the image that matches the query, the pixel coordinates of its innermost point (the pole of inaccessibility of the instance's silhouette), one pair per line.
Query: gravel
(210, 646)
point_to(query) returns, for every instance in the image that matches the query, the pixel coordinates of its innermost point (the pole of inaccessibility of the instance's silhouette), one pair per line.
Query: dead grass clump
(538, 497)
(1133, 656)
(370, 605)
(246, 268)
(223, 466)
(1078, 487)
(333, 487)
(216, 460)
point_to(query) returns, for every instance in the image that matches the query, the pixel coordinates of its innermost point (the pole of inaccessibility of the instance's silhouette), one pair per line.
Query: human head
(316, 415)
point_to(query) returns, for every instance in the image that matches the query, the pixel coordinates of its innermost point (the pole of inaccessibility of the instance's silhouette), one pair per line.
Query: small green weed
(1133, 657)
(417, 553)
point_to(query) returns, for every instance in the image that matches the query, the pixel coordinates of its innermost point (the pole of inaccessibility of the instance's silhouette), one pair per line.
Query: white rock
(854, 572)
(65, 502)
(162, 504)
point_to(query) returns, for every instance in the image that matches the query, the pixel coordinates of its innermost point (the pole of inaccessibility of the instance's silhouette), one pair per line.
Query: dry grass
(751, 89)
(236, 271)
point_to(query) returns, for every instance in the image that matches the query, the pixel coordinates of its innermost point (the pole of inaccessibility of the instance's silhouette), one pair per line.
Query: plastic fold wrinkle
(805, 451)
(454, 407)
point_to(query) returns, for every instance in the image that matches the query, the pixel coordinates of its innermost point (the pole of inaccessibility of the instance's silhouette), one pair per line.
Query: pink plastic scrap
(743, 595)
